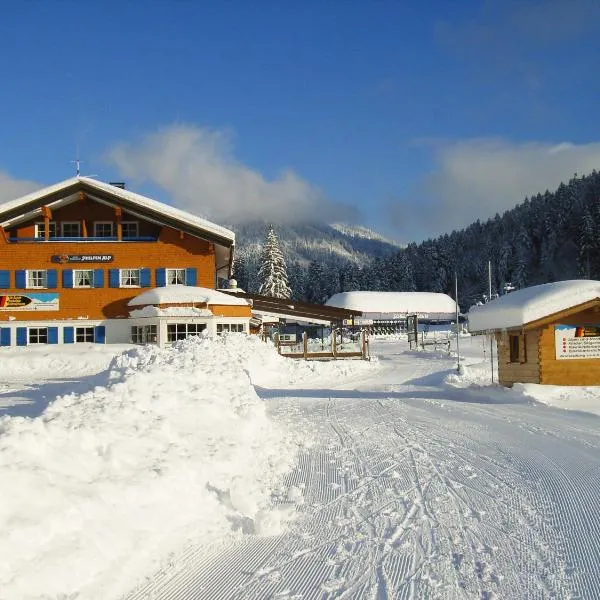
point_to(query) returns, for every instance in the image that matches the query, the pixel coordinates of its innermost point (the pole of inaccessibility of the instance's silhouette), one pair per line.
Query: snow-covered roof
(131, 197)
(182, 294)
(394, 302)
(532, 303)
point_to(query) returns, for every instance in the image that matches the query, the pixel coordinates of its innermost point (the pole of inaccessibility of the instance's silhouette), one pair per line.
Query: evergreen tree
(272, 272)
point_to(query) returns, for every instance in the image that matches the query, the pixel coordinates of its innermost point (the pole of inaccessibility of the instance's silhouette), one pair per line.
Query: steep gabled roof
(129, 201)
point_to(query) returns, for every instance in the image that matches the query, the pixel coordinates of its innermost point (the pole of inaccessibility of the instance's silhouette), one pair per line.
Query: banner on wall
(27, 301)
(577, 341)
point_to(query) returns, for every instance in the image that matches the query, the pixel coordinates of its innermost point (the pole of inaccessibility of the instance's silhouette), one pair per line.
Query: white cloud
(11, 188)
(196, 167)
(475, 179)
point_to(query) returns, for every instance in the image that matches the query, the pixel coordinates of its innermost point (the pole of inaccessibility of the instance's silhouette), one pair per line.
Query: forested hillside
(552, 236)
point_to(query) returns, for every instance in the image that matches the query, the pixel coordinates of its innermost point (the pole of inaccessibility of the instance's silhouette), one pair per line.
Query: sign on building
(574, 341)
(39, 301)
(82, 258)
(412, 328)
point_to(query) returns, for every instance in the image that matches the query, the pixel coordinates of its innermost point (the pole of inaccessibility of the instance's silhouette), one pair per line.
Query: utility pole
(490, 298)
(457, 336)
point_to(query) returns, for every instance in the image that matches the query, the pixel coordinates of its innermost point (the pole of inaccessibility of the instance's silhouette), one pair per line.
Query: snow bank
(103, 486)
(581, 398)
(532, 303)
(181, 294)
(394, 302)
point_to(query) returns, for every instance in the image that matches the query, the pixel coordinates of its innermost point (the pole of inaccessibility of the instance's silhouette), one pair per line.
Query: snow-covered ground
(218, 469)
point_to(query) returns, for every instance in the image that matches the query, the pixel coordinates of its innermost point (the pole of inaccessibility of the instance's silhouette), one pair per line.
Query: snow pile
(394, 302)
(581, 398)
(183, 294)
(532, 303)
(102, 486)
(171, 311)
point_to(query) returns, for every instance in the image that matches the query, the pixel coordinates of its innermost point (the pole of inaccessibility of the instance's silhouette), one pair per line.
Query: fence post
(305, 344)
(334, 343)
(277, 342)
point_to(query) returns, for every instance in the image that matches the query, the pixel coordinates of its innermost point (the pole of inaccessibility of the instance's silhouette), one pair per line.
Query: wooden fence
(338, 345)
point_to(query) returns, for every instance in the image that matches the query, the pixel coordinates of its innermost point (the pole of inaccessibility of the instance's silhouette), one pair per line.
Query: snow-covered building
(75, 256)
(390, 309)
(547, 333)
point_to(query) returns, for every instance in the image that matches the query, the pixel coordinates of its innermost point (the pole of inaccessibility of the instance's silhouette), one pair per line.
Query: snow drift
(99, 489)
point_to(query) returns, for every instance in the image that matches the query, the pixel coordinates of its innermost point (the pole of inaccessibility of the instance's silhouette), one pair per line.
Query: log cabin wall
(527, 368)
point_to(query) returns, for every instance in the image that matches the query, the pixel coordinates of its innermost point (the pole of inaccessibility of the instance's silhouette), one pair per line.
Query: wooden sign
(573, 342)
(82, 258)
(29, 301)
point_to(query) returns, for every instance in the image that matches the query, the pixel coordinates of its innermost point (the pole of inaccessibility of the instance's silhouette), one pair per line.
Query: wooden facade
(528, 354)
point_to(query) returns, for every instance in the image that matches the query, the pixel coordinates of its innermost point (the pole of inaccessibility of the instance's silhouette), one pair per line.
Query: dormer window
(71, 229)
(103, 229)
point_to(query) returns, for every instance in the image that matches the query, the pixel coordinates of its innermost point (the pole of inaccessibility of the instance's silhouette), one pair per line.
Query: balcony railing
(84, 239)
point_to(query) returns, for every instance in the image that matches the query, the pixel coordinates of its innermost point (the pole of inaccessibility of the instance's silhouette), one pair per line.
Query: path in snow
(414, 489)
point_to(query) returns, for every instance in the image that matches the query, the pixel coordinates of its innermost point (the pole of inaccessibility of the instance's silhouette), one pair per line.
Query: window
(84, 334)
(514, 348)
(71, 229)
(103, 229)
(38, 335)
(230, 327)
(144, 335)
(175, 276)
(180, 331)
(37, 279)
(40, 230)
(83, 279)
(129, 277)
(129, 229)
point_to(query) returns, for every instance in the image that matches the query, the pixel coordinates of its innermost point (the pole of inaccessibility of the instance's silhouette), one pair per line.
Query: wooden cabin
(74, 255)
(547, 334)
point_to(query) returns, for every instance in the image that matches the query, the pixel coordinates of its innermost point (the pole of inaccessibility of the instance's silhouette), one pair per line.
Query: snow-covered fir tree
(272, 272)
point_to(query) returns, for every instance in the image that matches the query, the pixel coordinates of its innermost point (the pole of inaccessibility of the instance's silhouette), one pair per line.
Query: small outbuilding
(547, 333)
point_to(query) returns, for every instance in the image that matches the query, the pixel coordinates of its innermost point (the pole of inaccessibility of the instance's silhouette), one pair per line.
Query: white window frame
(62, 229)
(230, 328)
(172, 273)
(137, 229)
(112, 229)
(144, 334)
(91, 277)
(29, 277)
(183, 328)
(39, 230)
(85, 333)
(130, 285)
(30, 331)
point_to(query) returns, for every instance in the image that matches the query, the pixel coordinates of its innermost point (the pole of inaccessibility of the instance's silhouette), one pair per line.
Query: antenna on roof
(77, 162)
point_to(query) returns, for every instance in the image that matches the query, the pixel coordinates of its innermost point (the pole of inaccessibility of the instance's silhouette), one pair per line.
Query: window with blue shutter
(69, 335)
(67, 278)
(52, 279)
(98, 278)
(161, 277)
(145, 277)
(21, 336)
(191, 276)
(113, 278)
(100, 334)
(53, 335)
(4, 336)
(4, 279)
(21, 279)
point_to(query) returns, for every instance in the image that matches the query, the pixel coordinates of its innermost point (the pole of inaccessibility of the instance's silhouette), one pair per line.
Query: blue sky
(413, 118)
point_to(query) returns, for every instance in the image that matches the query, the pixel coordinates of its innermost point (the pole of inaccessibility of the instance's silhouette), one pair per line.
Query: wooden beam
(119, 217)
(84, 232)
(82, 196)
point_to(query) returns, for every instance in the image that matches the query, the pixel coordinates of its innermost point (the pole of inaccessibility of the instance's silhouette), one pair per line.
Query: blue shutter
(4, 336)
(67, 277)
(98, 278)
(52, 279)
(161, 277)
(21, 279)
(190, 276)
(21, 336)
(68, 335)
(100, 334)
(145, 277)
(4, 279)
(113, 278)
(53, 335)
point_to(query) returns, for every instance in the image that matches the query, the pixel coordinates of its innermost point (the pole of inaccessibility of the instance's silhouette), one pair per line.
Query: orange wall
(170, 251)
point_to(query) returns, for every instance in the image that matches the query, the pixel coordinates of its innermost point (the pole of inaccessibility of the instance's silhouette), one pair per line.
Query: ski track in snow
(407, 494)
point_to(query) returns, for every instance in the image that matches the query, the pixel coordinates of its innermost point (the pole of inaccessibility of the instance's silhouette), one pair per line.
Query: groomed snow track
(416, 490)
